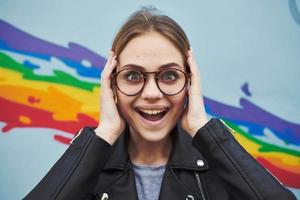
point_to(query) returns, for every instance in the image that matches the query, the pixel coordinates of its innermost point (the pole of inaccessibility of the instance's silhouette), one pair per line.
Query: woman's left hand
(194, 115)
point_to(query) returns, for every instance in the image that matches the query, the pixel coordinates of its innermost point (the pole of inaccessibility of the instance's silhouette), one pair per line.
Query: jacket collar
(183, 154)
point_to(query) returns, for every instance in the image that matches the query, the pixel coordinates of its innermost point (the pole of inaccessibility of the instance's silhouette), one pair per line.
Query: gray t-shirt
(148, 181)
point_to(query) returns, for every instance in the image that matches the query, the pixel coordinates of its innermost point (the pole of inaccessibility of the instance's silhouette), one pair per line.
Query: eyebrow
(164, 66)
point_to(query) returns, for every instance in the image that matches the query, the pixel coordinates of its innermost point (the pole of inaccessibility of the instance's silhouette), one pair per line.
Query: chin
(151, 136)
(155, 136)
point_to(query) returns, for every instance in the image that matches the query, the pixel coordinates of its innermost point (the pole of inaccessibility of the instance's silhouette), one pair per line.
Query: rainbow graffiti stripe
(50, 86)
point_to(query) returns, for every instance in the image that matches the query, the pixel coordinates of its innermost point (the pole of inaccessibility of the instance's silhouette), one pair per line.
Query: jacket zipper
(200, 186)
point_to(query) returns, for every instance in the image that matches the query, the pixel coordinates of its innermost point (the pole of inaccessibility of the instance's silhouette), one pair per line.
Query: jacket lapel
(117, 178)
(180, 181)
(118, 181)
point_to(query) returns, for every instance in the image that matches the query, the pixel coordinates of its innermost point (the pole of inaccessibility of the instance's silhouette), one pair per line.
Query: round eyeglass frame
(145, 76)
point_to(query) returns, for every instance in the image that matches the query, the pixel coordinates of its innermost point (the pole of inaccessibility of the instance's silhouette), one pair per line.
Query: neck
(143, 152)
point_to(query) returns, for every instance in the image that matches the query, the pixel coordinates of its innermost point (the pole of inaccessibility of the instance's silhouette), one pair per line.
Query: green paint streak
(59, 77)
(265, 147)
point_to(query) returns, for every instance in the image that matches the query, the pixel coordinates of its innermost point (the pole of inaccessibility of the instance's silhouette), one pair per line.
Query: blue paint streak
(255, 118)
(90, 72)
(30, 65)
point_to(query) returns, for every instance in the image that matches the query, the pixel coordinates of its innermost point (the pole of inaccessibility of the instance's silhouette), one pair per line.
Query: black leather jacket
(211, 166)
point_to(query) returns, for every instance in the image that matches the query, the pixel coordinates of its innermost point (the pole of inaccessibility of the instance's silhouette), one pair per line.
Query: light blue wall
(234, 41)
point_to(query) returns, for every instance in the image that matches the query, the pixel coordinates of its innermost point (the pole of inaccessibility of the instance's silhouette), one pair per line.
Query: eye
(134, 76)
(169, 76)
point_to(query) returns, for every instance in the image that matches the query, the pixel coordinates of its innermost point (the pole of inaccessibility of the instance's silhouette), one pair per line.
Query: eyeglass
(131, 81)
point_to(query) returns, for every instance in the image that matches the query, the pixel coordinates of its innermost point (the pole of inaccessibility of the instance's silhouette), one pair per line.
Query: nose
(151, 90)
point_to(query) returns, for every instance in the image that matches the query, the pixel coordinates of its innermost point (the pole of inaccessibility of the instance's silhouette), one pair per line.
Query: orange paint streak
(277, 162)
(52, 99)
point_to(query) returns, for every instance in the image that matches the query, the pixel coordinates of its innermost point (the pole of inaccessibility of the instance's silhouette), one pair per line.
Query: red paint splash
(11, 111)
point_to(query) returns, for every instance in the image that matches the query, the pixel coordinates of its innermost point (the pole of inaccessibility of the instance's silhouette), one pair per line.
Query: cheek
(124, 103)
(178, 102)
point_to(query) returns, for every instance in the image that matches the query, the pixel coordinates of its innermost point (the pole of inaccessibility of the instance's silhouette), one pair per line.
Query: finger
(107, 68)
(111, 56)
(195, 77)
(110, 67)
(193, 65)
(106, 79)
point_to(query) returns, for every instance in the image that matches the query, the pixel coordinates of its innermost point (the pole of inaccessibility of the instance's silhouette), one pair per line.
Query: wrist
(194, 129)
(106, 135)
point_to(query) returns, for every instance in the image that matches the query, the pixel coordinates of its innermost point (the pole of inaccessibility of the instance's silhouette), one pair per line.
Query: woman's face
(150, 51)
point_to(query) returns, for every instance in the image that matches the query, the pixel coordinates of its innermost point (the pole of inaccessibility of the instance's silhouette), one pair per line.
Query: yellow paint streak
(63, 101)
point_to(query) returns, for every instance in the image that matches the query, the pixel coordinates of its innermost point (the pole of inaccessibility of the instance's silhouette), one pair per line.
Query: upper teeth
(152, 112)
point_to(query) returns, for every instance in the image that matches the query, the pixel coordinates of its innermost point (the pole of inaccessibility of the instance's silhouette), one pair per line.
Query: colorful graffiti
(50, 86)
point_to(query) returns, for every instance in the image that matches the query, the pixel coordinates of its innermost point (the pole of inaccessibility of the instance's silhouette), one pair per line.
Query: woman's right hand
(111, 124)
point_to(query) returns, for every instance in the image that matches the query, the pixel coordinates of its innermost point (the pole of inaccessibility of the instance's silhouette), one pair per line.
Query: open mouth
(152, 115)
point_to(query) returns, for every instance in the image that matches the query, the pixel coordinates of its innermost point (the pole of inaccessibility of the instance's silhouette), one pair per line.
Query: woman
(154, 140)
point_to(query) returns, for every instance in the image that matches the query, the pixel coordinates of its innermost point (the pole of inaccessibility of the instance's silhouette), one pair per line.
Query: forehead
(150, 50)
